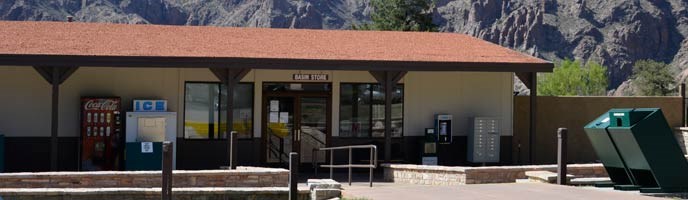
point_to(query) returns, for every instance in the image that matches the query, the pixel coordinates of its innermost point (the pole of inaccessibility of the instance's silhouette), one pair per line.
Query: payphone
(443, 126)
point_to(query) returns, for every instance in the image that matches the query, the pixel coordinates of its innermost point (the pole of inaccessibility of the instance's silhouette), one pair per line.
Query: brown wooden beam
(55, 76)
(524, 77)
(532, 137)
(230, 77)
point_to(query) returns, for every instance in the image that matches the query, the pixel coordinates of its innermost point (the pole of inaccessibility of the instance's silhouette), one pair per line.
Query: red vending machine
(101, 133)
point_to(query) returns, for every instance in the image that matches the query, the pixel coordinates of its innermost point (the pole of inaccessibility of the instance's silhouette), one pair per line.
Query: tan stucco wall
(461, 94)
(574, 113)
(25, 96)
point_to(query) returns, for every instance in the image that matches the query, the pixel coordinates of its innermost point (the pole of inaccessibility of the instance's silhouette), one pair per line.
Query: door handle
(298, 134)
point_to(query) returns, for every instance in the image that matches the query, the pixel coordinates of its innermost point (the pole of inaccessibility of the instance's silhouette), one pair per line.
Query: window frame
(370, 106)
(253, 98)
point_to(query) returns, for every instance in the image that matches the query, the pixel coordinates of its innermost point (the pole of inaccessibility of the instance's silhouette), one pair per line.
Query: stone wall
(441, 175)
(264, 193)
(242, 177)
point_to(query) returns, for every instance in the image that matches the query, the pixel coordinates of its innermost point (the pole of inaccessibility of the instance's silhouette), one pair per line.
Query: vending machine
(443, 125)
(101, 134)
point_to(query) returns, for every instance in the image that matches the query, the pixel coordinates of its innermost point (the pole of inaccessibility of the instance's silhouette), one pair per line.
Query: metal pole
(233, 150)
(371, 167)
(167, 149)
(331, 161)
(293, 175)
(54, 123)
(561, 155)
(349, 166)
(533, 113)
(682, 92)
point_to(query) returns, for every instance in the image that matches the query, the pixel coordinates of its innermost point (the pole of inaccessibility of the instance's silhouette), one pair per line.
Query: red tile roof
(120, 40)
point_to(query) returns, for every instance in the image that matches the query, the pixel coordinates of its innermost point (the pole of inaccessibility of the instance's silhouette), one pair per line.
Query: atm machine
(147, 126)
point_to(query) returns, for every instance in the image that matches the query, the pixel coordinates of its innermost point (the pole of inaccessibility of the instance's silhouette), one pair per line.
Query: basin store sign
(310, 77)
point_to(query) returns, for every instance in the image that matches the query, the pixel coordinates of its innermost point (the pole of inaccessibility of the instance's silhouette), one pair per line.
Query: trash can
(649, 149)
(606, 151)
(143, 156)
(641, 142)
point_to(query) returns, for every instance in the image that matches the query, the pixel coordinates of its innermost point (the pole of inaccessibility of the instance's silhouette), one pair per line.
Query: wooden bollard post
(167, 155)
(561, 155)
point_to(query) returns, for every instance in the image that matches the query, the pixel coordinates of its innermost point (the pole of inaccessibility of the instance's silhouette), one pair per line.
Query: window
(205, 110)
(362, 110)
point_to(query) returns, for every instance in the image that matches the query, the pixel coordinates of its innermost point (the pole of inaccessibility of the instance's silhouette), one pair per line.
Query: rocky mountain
(615, 33)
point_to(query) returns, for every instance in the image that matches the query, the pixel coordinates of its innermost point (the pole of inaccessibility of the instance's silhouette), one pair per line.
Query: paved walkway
(391, 191)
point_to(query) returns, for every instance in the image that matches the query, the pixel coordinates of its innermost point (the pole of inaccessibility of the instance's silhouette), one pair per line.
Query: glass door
(313, 127)
(279, 128)
(295, 123)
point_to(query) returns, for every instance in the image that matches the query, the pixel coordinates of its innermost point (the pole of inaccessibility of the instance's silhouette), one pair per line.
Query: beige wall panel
(461, 94)
(25, 103)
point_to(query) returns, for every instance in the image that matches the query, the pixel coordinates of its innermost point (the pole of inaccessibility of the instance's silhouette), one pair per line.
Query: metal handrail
(372, 164)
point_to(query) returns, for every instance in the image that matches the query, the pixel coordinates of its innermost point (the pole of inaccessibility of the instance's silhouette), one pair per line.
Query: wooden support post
(533, 118)
(229, 124)
(389, 88)
(167, 156)
(54, 119)
(682, 92)
(55, 76)
(561, 155)
(293, 175)
(388, 81)
(230, 77)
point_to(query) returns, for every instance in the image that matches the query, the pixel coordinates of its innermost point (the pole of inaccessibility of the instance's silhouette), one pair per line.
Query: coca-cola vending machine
(101, 133)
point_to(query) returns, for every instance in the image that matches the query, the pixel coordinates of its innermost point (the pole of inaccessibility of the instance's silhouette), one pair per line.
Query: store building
(294, 90)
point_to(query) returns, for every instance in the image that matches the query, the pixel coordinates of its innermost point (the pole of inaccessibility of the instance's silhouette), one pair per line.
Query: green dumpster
(646, 148)
(606, 151)
(143, 156)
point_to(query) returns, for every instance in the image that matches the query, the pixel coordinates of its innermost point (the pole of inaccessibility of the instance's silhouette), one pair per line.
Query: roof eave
(267, 63)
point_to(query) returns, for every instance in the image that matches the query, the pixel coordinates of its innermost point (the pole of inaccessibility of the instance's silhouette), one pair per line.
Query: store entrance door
(295, 121)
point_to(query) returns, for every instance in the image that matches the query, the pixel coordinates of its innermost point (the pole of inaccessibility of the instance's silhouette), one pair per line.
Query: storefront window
(362, 110)
(205, 111)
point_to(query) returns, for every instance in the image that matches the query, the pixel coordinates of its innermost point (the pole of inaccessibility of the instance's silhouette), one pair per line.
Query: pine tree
(653, 78)
(400, 15)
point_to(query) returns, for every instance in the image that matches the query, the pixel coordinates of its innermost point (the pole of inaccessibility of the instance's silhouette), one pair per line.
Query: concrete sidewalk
(392, 191)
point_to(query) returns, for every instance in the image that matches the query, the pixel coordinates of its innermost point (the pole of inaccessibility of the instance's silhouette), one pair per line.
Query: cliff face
(615, 33)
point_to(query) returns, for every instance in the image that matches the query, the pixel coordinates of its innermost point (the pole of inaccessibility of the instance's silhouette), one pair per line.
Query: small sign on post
(146, 147)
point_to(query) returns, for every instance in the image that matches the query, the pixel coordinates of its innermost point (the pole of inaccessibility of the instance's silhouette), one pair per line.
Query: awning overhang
(266, 63)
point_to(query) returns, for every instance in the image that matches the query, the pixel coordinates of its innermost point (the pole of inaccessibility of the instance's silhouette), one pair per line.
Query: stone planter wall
(242, 177)
(681, 134)
(440, 175)
(264, 193)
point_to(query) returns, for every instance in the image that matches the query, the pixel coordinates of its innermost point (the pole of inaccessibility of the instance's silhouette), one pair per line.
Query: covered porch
(135, 61)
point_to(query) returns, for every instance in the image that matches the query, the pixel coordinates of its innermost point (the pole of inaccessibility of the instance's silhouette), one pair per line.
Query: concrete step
(545, 176)
(589, 180)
